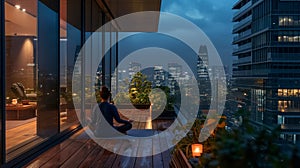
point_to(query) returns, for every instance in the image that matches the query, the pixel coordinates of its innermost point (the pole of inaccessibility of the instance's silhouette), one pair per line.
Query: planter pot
(132, 106)
(167, 115)
(142, 106)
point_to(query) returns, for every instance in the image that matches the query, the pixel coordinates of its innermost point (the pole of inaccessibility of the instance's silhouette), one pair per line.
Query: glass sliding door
(2, 83)
(92, 79)
(48, 68)
(43, 40)
(114, 62)
(63, 65)
(21, 74)
(40, 51)
(70, 44)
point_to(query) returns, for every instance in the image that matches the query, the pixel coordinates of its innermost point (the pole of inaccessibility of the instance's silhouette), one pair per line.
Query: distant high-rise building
(134, 67)
(203, 79)
(203, 54)
(159, 76)
(175, 70)
(267, 35)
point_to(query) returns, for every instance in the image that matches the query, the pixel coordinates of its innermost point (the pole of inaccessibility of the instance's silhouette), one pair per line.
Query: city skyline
(160, 83)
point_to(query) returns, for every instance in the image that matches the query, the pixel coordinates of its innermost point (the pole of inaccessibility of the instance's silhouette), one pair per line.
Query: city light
(18, 6)
(197, 150)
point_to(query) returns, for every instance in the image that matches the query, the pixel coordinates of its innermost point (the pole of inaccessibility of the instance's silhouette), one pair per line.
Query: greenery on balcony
(139, 89)
(134, 92)
(243, 146)
(156, 99)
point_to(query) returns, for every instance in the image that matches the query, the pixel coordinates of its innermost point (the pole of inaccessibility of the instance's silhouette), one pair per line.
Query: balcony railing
(242, 35)
(265, 72)
(244, 47)
(284, 57)
(238, 3)
(242, 23)
(290, 127)
(242, 11)
(243, 60)
(244, 73)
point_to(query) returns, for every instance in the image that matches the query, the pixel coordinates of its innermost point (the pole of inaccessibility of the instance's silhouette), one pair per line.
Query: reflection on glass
(93, 81)
(70, 41)
(63, 65)
(34, 100)
(21, 75)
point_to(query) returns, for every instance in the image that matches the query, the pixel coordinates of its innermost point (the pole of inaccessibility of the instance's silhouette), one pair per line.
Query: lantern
(14, 101)
(197, 150)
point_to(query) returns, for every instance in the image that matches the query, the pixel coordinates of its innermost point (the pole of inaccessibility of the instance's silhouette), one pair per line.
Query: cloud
(214, 17)
(194, 14)
(172, 8)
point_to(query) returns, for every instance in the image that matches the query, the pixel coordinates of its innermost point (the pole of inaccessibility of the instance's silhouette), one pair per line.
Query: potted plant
(139, 89)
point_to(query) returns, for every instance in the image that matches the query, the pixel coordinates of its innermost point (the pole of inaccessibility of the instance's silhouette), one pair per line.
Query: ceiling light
(24, 10)
(18, 6)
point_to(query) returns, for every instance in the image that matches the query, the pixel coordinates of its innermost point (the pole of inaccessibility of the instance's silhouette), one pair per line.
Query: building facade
(203, 79)
(159, 76)
(175, 71)
(134, 67)
(267, 69)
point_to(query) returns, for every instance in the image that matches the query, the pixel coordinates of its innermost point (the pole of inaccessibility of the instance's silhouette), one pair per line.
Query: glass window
(70, 41)
(279, 92)
(32, 90)
(21, 73)
(288, 20)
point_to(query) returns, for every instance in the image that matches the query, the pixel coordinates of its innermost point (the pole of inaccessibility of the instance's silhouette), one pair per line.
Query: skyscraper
(159, 76)
(267, 73)
(134, 67)
(175, 71)
(203, 79)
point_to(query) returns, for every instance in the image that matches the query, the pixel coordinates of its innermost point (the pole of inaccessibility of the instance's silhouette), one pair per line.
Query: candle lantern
(197, 150)
(14, 101)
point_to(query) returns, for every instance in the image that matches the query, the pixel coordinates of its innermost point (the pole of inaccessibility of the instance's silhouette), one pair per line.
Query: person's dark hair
(104, 93)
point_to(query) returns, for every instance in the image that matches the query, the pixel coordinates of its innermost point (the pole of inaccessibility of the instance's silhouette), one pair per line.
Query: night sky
(214, 17)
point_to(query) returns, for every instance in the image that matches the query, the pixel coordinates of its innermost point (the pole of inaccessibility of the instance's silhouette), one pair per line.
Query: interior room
(21, 39)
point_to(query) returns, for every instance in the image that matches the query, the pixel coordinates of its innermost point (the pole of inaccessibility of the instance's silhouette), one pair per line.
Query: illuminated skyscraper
(134, 67)
(267, 36)
(203, 79)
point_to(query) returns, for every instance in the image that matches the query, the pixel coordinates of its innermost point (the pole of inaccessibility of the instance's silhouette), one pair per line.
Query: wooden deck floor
(81, 151)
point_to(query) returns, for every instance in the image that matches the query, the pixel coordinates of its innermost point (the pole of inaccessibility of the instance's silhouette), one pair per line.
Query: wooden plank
(154, 124)
(135, 125)
(142, 125)
(102, 157)
(91, 157)
(166, 155)
(100, 161)
(46, 156)
(78, 157)
(96, 158)
(157, 158)
(20, 134)
(144, 149)
(117, 148)
(119, 158)
(80, 151)
(129, 147)
(66, 153)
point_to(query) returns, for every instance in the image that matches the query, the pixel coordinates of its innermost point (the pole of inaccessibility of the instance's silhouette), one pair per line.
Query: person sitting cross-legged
(110, 112)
